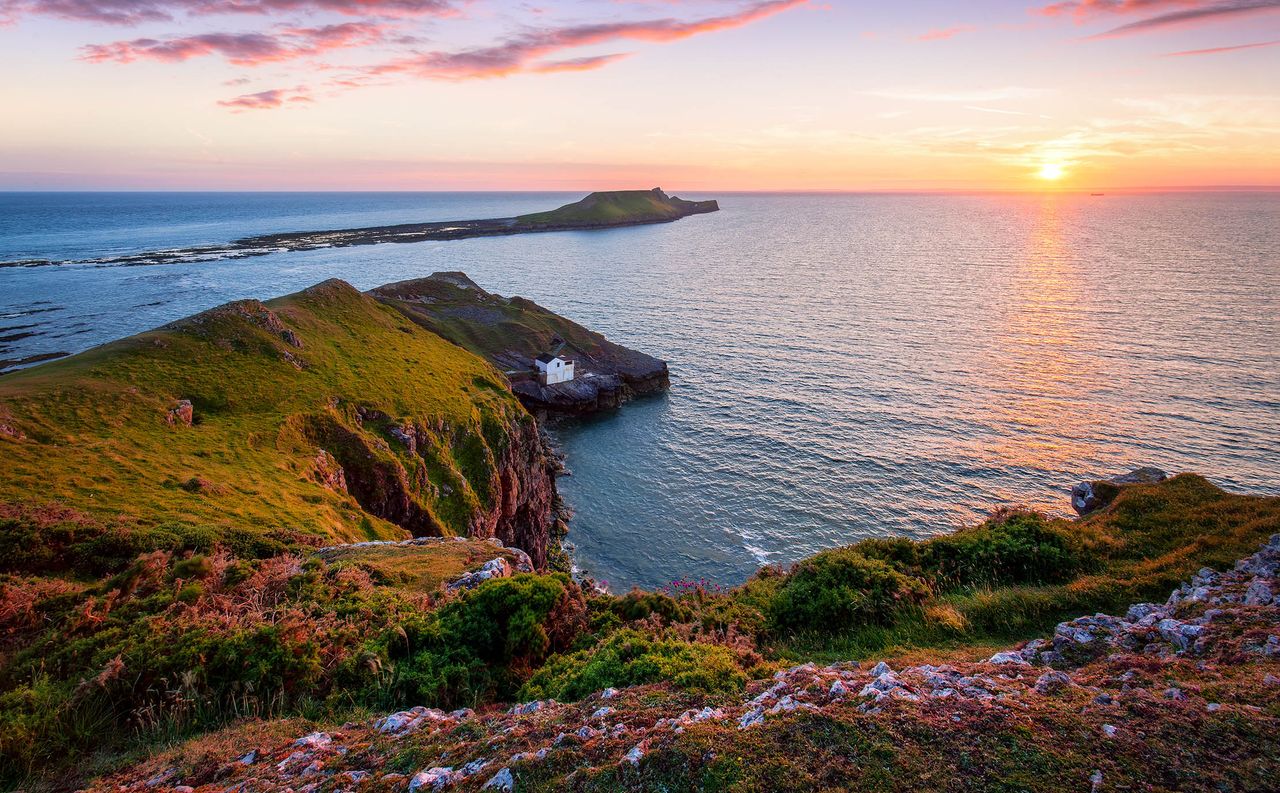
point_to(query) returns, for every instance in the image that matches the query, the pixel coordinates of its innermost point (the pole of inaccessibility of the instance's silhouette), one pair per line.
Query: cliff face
(323, 413)
(511, 332)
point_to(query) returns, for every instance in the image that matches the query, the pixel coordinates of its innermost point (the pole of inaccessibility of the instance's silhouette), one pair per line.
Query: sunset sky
(598, 94)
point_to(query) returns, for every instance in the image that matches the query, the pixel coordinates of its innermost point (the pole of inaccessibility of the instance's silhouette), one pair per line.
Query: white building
(553, 369)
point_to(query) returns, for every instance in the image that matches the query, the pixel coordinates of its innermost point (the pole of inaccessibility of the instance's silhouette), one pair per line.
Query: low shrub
(841, 589)
(629, 658)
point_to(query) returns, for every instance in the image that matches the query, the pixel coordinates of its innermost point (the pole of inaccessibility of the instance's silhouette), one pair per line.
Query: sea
(843, 366)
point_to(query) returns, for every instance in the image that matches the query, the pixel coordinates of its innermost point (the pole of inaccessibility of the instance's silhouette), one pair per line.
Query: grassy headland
(280, 394)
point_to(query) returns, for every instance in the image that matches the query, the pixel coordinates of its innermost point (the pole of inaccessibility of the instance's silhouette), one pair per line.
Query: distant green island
(601, 210)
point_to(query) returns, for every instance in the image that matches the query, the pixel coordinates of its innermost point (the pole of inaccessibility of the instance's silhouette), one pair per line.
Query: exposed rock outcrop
(406, 483)
(181, 414)
(1089, 496)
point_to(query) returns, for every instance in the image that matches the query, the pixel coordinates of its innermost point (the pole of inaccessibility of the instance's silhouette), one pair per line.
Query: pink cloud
(1085, 9)
(525, 52)
(1191, 17)
(1166, 13)
(1218, 50)
(265, 100)
(938, 34)
(133, 12)
(242, 49)
(578, 64)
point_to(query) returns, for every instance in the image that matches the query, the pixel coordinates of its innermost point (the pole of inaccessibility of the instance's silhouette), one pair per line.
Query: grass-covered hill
(619, 207)
(324, 413)
(511, 332)
(206, 652)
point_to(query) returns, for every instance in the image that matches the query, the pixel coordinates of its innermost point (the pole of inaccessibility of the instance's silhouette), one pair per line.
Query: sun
(1052, 171)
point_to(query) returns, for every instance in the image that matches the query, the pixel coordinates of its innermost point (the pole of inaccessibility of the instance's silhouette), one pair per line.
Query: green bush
(1021, 549)
(480, 646)
(630, 658)
(842, 589)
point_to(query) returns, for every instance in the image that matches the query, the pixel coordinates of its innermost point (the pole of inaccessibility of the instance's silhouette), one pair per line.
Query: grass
(419, 568)
(96, 435)
(609, 208)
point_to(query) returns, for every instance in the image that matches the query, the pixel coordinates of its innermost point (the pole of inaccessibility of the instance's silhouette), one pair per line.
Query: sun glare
(1051, 171)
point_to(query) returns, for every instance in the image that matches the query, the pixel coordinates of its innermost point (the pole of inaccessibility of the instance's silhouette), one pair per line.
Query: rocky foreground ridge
(1183, 694)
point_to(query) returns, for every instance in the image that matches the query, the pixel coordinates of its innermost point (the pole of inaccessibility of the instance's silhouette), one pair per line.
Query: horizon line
(1268, 188)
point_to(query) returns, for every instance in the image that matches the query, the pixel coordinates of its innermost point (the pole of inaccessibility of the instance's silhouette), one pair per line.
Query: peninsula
(512, 332)
(602, 210)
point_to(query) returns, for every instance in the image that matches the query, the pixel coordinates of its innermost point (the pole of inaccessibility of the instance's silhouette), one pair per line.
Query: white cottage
(553, 369)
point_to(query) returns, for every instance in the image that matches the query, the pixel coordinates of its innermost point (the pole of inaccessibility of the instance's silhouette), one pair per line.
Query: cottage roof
(547, 357)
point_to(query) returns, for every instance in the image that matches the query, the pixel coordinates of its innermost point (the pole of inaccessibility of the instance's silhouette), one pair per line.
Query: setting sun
(1051, 171)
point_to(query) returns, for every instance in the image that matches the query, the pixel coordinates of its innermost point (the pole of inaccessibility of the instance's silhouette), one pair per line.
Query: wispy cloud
(1084, 10)
(1165, 13)
(968, 96)
(1219, 50)
(266, 100)
(939, 34)
(1003, 112)
(527, 52)
(241, 49)
(134, 12)
(1193, 16)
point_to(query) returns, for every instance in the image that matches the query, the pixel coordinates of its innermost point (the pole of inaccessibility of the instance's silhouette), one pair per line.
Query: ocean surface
(843, 366)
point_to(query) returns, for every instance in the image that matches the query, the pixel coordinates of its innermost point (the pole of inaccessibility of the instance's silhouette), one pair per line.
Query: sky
(692, 95)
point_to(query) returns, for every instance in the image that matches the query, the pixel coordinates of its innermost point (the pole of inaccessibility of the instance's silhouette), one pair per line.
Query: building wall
(559, 374)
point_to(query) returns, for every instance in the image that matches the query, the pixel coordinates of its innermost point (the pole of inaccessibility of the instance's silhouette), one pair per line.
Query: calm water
(843, 366)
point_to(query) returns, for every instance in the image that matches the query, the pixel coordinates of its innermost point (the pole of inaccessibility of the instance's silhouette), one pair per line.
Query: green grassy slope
(618, 207)
(271, 384)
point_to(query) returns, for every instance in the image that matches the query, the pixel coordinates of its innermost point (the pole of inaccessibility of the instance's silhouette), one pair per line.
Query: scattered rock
(1051, 682)
(494, 568)
(1258, 594)
(751, 718)
(503, 780)
(637, 753)
(1009, 657)
(181, 414)
(434, 778)
(531, 707)
(326, 470)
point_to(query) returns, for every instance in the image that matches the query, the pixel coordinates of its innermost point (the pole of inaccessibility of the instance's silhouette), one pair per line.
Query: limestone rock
(1085, 496)
(181, 414)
